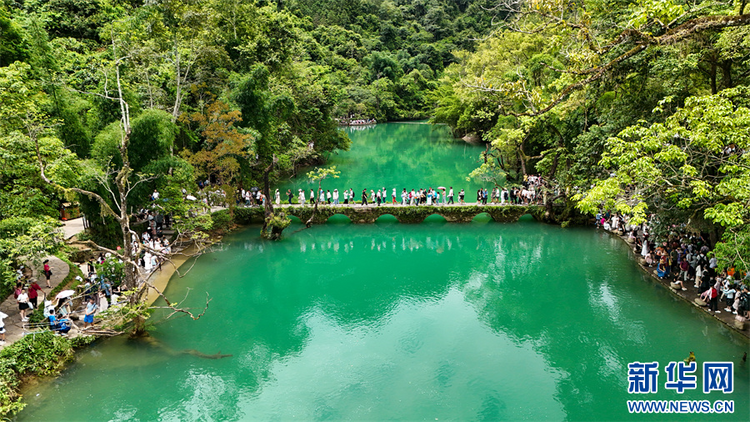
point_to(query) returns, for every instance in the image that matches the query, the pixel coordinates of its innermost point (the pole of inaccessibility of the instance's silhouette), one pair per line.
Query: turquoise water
(479, 321)
(399, 155)
(387, 321)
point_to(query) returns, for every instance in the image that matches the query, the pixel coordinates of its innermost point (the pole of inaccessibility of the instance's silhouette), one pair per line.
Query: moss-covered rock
(274, 226)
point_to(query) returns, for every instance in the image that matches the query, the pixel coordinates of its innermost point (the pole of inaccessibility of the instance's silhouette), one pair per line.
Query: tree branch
(175, 306)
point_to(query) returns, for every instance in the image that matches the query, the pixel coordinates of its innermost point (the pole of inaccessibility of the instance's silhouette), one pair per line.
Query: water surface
(388, 321)
(398, 155)
(411, 322)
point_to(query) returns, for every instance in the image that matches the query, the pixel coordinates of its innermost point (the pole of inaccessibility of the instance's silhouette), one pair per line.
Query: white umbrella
(65, 293)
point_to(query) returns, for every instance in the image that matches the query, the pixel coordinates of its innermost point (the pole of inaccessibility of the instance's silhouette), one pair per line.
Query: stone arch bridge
(404, 214)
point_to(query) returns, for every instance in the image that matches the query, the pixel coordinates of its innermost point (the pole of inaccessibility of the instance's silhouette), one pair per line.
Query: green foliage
(734, 249)
(692, 162)
(153, 134)
(27, 238)
(111, 270)
(125, 315)
(70, 281)
(275, 224)
(320, 174)
(221, 220)
(38, 354)
(12, 46)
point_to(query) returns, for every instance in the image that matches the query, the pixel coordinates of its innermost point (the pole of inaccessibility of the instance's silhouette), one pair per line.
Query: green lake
(435, 321)
(398, 155)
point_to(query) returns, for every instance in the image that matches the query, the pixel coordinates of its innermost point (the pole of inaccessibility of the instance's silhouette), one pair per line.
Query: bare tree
(119, 184)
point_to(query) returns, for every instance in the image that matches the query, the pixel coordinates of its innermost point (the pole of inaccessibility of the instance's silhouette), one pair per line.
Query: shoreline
(160, 278)
(726, 318)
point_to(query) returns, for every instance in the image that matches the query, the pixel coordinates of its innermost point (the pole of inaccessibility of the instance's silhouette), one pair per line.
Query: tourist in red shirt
(33, 295)
(47, 272)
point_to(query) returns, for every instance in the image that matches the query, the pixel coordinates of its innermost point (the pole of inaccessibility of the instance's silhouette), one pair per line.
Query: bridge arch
(526, 218)
(387, 218)
(482, 217)
(339, 219)
(435, 218)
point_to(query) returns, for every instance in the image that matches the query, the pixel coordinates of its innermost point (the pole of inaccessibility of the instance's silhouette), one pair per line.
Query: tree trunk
(309, 221)
(522, 160)
(267, 190)
(726, 74)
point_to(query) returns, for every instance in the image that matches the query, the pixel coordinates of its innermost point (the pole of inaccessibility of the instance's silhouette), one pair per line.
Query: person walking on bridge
(450, 196)
(364, 197)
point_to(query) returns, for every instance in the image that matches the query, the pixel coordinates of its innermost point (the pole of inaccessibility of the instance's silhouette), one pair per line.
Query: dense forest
(638, 107)
(137, 96)
(631, 106)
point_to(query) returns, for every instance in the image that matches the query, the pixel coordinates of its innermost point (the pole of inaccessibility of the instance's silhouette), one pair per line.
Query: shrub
(38, 354)
(221, 220)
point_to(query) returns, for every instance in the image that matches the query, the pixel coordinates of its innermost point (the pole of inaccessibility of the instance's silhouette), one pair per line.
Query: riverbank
(16, 328)
(689, 295)
(160, 277)
(29, 357)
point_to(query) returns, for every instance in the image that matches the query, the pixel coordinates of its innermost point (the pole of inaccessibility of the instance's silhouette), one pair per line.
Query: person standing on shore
(23, 304)
(33, 292)
(47, 272)
(2, 327)
(88, 319)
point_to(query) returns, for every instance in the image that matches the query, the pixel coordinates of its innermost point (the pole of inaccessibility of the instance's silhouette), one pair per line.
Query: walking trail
(14, 329)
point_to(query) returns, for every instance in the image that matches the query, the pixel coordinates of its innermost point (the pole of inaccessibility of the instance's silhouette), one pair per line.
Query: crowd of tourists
(526, 194)
(686, 260)
(356, 122)
(96, 295)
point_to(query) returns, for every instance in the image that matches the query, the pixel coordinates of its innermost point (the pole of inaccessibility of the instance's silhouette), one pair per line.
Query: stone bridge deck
(404, 214)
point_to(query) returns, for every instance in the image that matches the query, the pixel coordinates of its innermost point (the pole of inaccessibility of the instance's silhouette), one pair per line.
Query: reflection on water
(398, 155)
(454, 321)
